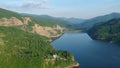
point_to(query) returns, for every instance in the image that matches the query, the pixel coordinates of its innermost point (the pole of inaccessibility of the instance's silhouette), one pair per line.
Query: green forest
(106, 31)
(20, 49)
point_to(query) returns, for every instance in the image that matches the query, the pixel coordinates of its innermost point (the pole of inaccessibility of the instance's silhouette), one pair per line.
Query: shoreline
(54, 38)
(73, 66)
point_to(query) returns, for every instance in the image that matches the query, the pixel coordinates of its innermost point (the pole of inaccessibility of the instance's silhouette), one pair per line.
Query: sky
(63, 8)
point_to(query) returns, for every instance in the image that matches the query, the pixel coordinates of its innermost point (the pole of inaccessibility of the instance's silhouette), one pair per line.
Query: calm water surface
(89, 53)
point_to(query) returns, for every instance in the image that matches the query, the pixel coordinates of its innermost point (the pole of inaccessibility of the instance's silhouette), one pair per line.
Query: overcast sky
(63, 8)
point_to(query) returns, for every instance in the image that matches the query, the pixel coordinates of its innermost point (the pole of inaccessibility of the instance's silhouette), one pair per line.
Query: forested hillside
(20, 49)
(24, 43)
(107, 31)
(8, 14)
(87, 24)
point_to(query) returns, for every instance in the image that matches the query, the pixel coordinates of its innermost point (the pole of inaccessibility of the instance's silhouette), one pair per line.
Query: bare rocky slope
(36, 28)
(46, 27)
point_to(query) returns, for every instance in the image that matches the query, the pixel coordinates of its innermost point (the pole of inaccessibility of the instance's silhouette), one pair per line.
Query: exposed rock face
(26, 20)
(10, 22)
(13, 21)
(47, 31)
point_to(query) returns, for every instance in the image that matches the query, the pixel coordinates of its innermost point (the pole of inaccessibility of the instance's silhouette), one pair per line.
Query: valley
(43, 41)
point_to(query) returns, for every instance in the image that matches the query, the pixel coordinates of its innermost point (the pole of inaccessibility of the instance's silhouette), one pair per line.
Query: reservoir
(88, 52)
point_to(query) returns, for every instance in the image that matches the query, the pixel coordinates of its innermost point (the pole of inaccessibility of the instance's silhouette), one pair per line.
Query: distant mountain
(50, 21)
(69, 20)
(37, 16)
(106, 31)
(90, 22)
(74, 20)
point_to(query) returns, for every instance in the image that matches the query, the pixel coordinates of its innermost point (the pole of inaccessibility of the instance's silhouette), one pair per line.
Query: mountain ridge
(91, 22)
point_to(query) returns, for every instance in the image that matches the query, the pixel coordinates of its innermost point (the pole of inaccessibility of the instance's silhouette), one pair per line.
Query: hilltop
(89, 23)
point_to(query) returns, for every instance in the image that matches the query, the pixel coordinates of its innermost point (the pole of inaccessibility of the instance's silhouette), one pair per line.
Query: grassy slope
(8, 14)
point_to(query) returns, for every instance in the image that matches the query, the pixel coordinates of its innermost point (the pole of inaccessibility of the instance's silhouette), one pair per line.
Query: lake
(88, 52)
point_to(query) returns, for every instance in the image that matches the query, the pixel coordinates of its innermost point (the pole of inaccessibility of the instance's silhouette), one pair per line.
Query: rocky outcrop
(50, 32)
(47, 31)
(26, 20)
(13, 21)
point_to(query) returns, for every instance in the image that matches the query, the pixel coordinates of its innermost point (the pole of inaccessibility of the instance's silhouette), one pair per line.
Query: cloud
(26, 6)
(45, 0)
(32, 4)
